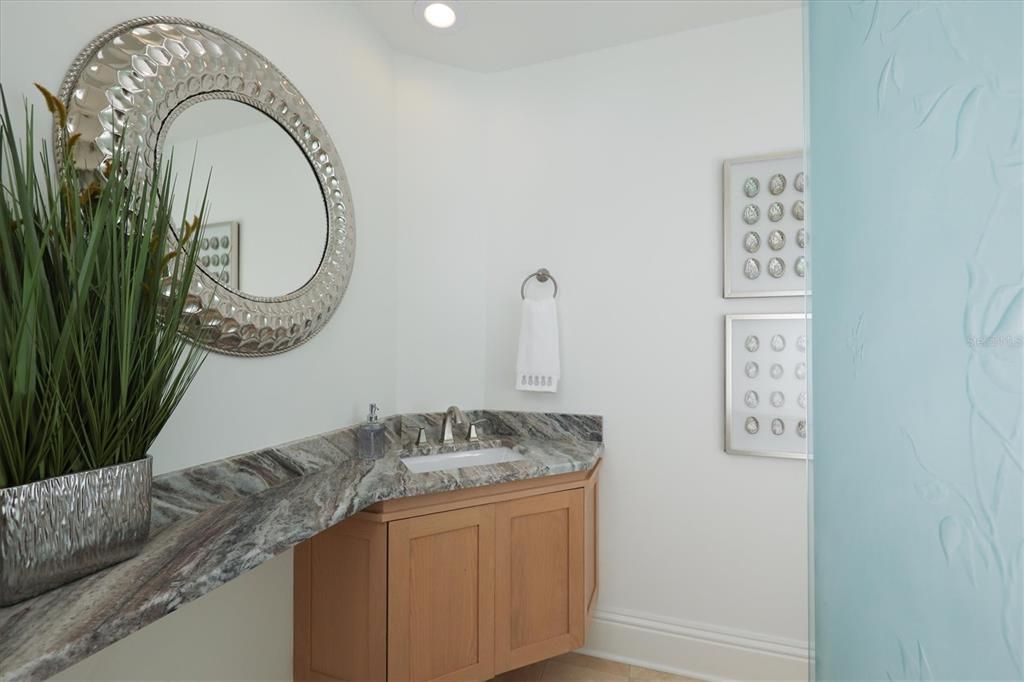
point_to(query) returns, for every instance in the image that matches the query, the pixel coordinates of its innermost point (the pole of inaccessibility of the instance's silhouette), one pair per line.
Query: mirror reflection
(266, 221)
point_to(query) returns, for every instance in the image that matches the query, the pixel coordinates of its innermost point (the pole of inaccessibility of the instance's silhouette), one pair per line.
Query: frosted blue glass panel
(915, 175)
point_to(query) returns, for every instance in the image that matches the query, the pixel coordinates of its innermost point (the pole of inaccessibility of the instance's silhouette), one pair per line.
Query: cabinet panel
(340, 602)
(441, 596)
(539, 578)
(590, 574)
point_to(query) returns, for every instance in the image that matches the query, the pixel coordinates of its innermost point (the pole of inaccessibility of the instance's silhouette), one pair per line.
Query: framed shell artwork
(218, 252)
(766, 385)
(764, 227)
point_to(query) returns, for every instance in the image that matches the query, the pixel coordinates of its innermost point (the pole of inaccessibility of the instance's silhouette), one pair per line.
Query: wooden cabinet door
(441, 596)
(539, 578)
(340, 604)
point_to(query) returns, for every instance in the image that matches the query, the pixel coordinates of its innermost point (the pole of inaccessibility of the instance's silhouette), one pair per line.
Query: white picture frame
(211, 252)
(735, 228)
(790, 384)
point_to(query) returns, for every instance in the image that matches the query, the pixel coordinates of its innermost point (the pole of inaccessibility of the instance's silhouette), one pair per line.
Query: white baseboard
(695, 650)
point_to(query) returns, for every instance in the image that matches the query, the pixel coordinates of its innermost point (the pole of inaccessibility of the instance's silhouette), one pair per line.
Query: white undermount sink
(456, 460)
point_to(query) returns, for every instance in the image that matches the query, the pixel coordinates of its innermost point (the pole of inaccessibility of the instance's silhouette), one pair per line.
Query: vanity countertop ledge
(215, 521)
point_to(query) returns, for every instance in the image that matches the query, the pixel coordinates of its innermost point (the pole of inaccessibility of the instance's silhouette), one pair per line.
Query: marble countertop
(215, 521)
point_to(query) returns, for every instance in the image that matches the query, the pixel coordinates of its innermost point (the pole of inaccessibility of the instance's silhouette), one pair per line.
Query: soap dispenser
(371, 436)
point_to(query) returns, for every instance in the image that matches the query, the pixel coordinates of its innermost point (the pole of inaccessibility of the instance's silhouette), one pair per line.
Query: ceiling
(493, 35)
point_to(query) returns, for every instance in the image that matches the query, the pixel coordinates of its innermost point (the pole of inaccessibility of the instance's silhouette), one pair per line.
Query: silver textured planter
(63, 528)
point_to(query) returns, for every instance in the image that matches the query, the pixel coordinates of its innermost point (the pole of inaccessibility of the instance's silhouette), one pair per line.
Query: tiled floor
(573, 667)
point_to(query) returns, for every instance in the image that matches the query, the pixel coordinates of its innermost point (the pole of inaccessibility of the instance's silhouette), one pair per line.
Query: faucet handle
(421, 438)
(473, 436)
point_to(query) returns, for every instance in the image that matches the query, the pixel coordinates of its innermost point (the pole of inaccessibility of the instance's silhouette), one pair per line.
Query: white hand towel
(537, 367)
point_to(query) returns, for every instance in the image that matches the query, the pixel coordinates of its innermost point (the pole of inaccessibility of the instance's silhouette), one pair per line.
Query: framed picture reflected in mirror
(218, 253)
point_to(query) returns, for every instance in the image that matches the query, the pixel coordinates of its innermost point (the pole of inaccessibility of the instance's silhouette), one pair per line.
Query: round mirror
(279, 243)
(266, 225)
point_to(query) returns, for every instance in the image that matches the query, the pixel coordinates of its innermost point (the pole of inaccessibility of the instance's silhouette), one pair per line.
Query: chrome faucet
(472, 436)
(447, 437)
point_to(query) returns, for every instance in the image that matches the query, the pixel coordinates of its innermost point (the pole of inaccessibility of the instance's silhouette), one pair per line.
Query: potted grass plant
(94, 287)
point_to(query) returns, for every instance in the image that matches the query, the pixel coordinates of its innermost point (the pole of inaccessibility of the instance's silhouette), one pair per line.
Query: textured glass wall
(915, 174)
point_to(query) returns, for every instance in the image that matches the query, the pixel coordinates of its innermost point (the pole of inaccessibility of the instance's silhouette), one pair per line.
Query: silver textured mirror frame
(132, 81)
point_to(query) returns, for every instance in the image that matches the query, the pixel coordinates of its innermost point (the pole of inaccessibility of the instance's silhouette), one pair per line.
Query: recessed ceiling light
(439, 15)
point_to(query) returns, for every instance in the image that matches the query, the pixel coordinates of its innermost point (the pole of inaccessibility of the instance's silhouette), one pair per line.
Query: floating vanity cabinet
(460, 585)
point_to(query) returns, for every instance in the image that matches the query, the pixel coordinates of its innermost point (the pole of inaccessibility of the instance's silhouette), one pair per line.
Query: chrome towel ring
(542, 276)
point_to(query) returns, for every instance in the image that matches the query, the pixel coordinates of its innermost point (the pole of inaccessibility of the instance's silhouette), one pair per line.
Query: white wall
(441, 246)
(605, 168)
(235, 404)
(240, 631)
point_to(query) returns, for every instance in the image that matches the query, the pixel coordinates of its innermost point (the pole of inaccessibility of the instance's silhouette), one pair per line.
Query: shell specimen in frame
(751, 186)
